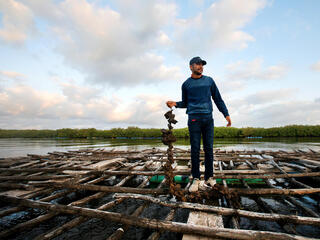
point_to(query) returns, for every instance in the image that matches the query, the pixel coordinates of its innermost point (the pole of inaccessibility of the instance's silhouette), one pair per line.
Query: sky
(105, 64)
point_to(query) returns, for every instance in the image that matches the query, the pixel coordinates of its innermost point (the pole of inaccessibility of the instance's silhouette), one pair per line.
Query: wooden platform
(90, 184)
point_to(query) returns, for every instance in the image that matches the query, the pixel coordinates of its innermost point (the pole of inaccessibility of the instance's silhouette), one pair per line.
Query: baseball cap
(197, 60)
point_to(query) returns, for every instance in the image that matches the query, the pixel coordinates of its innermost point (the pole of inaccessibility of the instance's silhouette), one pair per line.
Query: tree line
(136, 132)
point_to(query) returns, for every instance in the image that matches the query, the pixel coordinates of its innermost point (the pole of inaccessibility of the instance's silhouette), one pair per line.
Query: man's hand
(229, 121)
(171, 104)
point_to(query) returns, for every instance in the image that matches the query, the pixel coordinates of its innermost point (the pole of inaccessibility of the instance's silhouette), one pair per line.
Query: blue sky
(105, 64)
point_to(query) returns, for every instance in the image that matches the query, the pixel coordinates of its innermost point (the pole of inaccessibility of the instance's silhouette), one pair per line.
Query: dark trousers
(201, 124)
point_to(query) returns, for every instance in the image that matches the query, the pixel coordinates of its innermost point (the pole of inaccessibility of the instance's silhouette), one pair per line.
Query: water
(14, 147)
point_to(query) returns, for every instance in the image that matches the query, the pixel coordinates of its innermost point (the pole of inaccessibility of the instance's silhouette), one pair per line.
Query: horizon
(292, 125)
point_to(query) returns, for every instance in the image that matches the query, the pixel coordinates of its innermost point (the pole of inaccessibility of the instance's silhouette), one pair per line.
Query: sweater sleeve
(184, 102)
(218, 99)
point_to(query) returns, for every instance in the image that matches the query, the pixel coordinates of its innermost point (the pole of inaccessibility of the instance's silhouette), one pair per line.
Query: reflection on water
(11, 147)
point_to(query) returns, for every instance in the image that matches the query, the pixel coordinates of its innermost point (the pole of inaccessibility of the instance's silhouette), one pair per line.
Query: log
(291, 199)
(120, 231)
(225, 211)
(43, 217)
(28, 178)
(153, 223)
(267, 191)
(292, 180)
(239, 176)
(81, 219)
(16, 186)
(92, 187)
(234, 220)
(45, 169)
(156, 235)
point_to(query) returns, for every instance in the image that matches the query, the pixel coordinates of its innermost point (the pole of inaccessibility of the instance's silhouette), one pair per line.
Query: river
(14, 147)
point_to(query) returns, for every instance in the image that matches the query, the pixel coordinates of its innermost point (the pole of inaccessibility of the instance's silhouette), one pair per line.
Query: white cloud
(17, 21)
(108, 46)
(269, 96)
(280, 114)
(11, 75)
(254, 70)
(273, 108)
(78, 94)
(217, 27)
(24, 104)
(315, 66)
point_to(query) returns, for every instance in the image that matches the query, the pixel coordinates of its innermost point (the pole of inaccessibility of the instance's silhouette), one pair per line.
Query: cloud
(11, 75)
(112, 47)
(254, 70)
(17, 22)
(75, 93)
(270, 96)
(83, 107)
(22, 106)
(315, 66)
(219, 26)
(229, 86)
(284, 113)
(273, 108)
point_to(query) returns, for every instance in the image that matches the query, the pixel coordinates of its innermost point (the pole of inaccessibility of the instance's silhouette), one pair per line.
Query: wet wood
(92, 187)
(153, 223)
(225, 211)
(40, 175)
(75, 222)
(227, 197)
(203, 219)
(290, 198)
(267, 191)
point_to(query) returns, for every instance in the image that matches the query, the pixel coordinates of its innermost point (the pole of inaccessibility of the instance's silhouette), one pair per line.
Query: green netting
(185, 179)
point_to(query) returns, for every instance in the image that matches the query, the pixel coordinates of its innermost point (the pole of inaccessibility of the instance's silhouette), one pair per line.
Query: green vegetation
(135, 132)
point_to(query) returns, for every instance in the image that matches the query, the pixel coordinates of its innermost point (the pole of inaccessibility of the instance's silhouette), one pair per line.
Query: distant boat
(254, 137)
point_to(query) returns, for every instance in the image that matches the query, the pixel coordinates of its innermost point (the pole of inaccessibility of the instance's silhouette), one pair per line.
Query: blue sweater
(196, 96)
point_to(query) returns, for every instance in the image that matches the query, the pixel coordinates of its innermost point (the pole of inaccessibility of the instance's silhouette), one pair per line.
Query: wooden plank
(102, 165)
(203, 219)
(17, 192)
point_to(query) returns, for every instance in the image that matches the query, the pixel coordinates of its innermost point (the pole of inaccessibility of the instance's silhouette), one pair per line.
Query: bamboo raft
(93, 184)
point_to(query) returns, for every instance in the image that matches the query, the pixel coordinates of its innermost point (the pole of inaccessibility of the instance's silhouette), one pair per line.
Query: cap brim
(203, 62)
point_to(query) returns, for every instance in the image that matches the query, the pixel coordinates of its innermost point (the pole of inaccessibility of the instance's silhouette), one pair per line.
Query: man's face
(196, 68)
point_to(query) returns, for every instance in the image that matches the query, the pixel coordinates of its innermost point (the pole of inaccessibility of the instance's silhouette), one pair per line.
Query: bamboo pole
(291, 199)
(78, 220)
(120, 231)
(93, 171)
(153, 223)
(81, 219)
(292, 180)
(92, 187)
(234, 220)
(47, 216)
(267, 191)
(287, 227)
(184, 172)
(48, 198)
(225, 211)
(28, 178)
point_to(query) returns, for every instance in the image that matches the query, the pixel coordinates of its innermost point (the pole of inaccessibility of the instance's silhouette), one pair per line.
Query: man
(197, 91)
